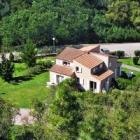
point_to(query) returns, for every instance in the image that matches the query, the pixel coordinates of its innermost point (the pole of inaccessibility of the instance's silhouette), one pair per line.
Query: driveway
(129, 48)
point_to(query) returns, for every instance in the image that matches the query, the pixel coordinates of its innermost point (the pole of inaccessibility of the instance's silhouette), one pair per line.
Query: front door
(91, 85)
(59, 79)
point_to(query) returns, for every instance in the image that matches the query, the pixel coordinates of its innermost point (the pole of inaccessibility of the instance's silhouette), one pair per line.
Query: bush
(112, 53)
(34, 70)
(45, 64)
(137, 53)
(120, 54)
(11, 57)
(48, 64)
(135, 60)
(123, 83)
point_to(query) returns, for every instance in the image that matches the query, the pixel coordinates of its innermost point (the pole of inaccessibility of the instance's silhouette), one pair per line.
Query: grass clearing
(129, 61)
(22, 94)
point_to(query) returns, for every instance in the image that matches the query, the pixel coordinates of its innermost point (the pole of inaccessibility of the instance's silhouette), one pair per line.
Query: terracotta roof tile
(69, 54)
(89, 47)
(89, 60)
(62, 70)
(104, 75)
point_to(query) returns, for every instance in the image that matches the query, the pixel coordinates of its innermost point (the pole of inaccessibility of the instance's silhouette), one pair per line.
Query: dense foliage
(68, 114)
(6, 119)
(70, 21)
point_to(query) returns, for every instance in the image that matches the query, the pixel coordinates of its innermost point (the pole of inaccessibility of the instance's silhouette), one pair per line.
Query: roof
(69, 54)
(62, 70)
(88, 48)
(104, 75)
(88, 60)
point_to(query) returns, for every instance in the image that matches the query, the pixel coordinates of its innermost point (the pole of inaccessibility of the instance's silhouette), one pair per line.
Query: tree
(135, 60)
(11, 57)
(137, 53)
(29, 54)
(128, 13)
(7, 113)
(6, 69)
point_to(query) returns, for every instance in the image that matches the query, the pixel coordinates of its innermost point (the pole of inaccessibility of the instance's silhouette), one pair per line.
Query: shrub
(137, 53)
(6, 69)
(135, 60)
(34, 70)
(48, 64)
(11, 57)
(29, 54)
(123, 83)
(120, 54)
(45, 64)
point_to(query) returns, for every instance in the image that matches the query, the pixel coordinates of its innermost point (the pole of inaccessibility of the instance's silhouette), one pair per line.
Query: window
(101, 66)
(95, 85)
(78, 80)
(77, 69)
(66, 63)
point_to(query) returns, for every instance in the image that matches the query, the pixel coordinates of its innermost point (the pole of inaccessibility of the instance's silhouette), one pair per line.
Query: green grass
(137, 74)
(22, 94)
(129, 61)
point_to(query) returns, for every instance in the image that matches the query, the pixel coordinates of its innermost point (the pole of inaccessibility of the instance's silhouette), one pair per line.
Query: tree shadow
(2, 93)
(20, 79)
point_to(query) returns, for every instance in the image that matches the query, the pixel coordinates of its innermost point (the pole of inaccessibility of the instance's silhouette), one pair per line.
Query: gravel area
(129, 48)
(23, 117)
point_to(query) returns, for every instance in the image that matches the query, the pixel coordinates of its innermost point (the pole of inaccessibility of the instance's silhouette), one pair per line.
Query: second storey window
(77, 69)
(65, 63)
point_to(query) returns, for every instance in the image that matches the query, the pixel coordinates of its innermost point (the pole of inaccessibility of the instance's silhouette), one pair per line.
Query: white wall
(86, 75)
(53, 77)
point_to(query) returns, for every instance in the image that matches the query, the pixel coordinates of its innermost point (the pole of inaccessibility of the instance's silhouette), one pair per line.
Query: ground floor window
(93, 85)
(78, 80)
(59, 78)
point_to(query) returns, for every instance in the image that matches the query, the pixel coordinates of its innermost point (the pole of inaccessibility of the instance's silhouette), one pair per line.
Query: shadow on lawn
(20, 79)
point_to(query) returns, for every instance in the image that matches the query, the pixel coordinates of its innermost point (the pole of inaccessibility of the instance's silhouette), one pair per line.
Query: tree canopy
(70, 21)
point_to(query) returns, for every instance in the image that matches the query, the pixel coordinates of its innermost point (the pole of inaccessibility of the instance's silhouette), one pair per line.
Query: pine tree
(29, 54)
(6, 69)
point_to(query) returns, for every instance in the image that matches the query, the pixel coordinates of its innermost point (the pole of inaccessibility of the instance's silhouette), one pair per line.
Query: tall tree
(29, 54)
(6, 68)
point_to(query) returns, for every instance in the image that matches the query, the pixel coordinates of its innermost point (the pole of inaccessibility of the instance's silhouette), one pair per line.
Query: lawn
(129, 61)
(21, 94)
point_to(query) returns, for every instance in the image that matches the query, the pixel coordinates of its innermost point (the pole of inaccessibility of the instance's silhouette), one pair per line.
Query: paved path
(131, 67)
(23, 117)
(129, 48)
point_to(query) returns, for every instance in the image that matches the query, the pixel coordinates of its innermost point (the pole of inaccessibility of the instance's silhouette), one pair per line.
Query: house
(93, 70)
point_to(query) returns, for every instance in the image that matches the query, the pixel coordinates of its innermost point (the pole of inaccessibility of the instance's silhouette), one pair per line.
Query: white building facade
(94, 71)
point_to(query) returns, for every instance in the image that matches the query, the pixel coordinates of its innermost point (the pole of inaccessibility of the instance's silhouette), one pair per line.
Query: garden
(26, 86)
(24, 80)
